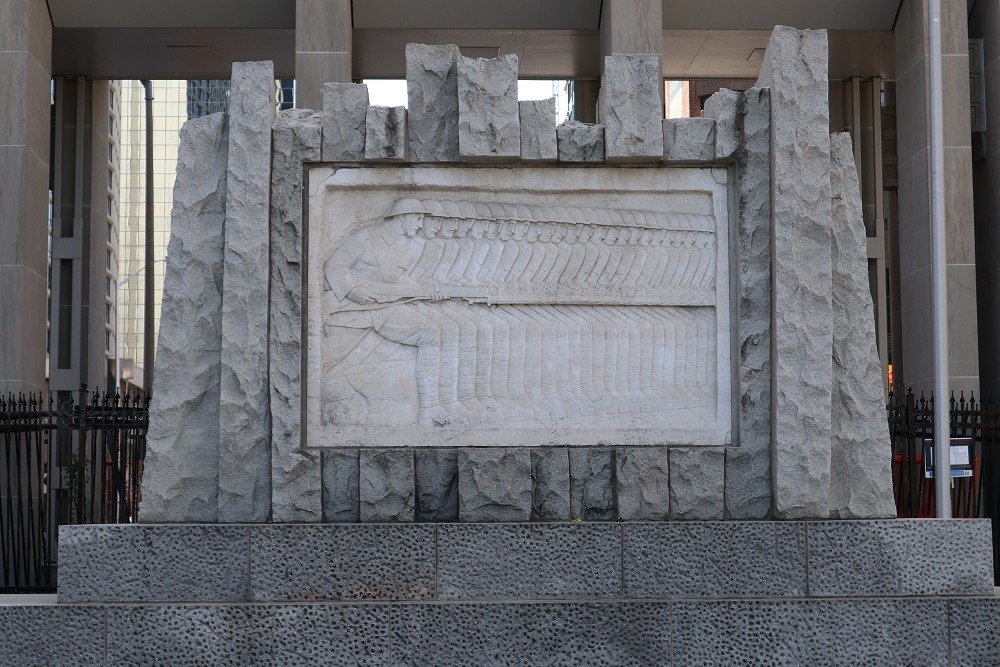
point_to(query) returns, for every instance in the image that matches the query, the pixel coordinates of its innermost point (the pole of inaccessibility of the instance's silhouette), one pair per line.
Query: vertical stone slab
(642, 481)
(296, 484)
(343, 120)
(494, 485)
(795, 69)
(244, 420)
(436, 484)
(489, 126)
(550, 484)
(580, 142)
(724, 108)
(341, 497)
(592, 484)
(697, 483)
(861, 459)
(386, 485)
(385, 130)
(688, 140)
(630, 106)
(748, 466)
(181, 478)
(538, 130)
(432, 95)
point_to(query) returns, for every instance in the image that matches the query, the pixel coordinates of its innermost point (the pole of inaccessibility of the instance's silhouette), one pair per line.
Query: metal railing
(911, 422)
(72, 459)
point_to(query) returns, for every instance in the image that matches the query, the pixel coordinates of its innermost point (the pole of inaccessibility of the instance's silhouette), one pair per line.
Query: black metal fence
(911, 422)
(69, 459)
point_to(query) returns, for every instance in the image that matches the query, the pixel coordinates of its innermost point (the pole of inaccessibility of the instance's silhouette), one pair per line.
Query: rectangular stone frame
(650, 182)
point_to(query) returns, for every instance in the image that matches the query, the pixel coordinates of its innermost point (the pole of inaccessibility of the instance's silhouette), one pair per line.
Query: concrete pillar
(26, 63)
(83, 259)
(585, 92)
(985, 20)
(913, 150)
(322, 48)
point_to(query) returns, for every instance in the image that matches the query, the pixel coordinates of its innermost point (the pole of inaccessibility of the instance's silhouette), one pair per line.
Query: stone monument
(524, 391)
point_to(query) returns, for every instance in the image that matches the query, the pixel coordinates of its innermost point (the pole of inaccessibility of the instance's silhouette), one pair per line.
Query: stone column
(632, 27)
(913, 150)
(26, 61)
(322, 48)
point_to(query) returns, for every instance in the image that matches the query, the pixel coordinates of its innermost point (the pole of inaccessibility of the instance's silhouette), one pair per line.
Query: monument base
(895, 592)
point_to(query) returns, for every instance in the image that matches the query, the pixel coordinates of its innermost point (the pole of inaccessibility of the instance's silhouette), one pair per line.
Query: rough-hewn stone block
(630, 107)
(580, 142)
(494, 485)
(52, 635)
(697, 483)
(724, 108)
(432, 111)
(314, 563)
(861, 456)
(643, 483)
(386, 485)
(244, 429)
(437, 484)
(688, 139)
(343, 120)
(489, 128)
(591, 484)
(296, 485)
(341, 497)
(181, 478)
(550, 484)
(538, 130)
(796, 70)
(748, 466)
(386, 130)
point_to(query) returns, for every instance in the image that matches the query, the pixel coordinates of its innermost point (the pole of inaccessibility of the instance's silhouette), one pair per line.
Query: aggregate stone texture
(630, 106)
(489, 126)
(244, 415)
(810, 632)
(343, 121)
(796, 70)
(296, 478)
(159, 563)
(975, 631)
(51, 635)
(550, 484)
(437, 484)
(386, 485)
(341, 495)
(748, 466)
(529, 561)
(715, 560)
(432, 102)
(876, 558)
(494, 484)
(538, 130)
(724, 108)
(385, 128)
(688, 140)
(592, 484)
(861, 450)
(697, 483)
(243, 635)
(642, 480)
(530, 634)
(181, 478)
(580, 142)
(321, 563)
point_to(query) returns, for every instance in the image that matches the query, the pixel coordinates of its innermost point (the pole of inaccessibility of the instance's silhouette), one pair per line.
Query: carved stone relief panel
(456, 306)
